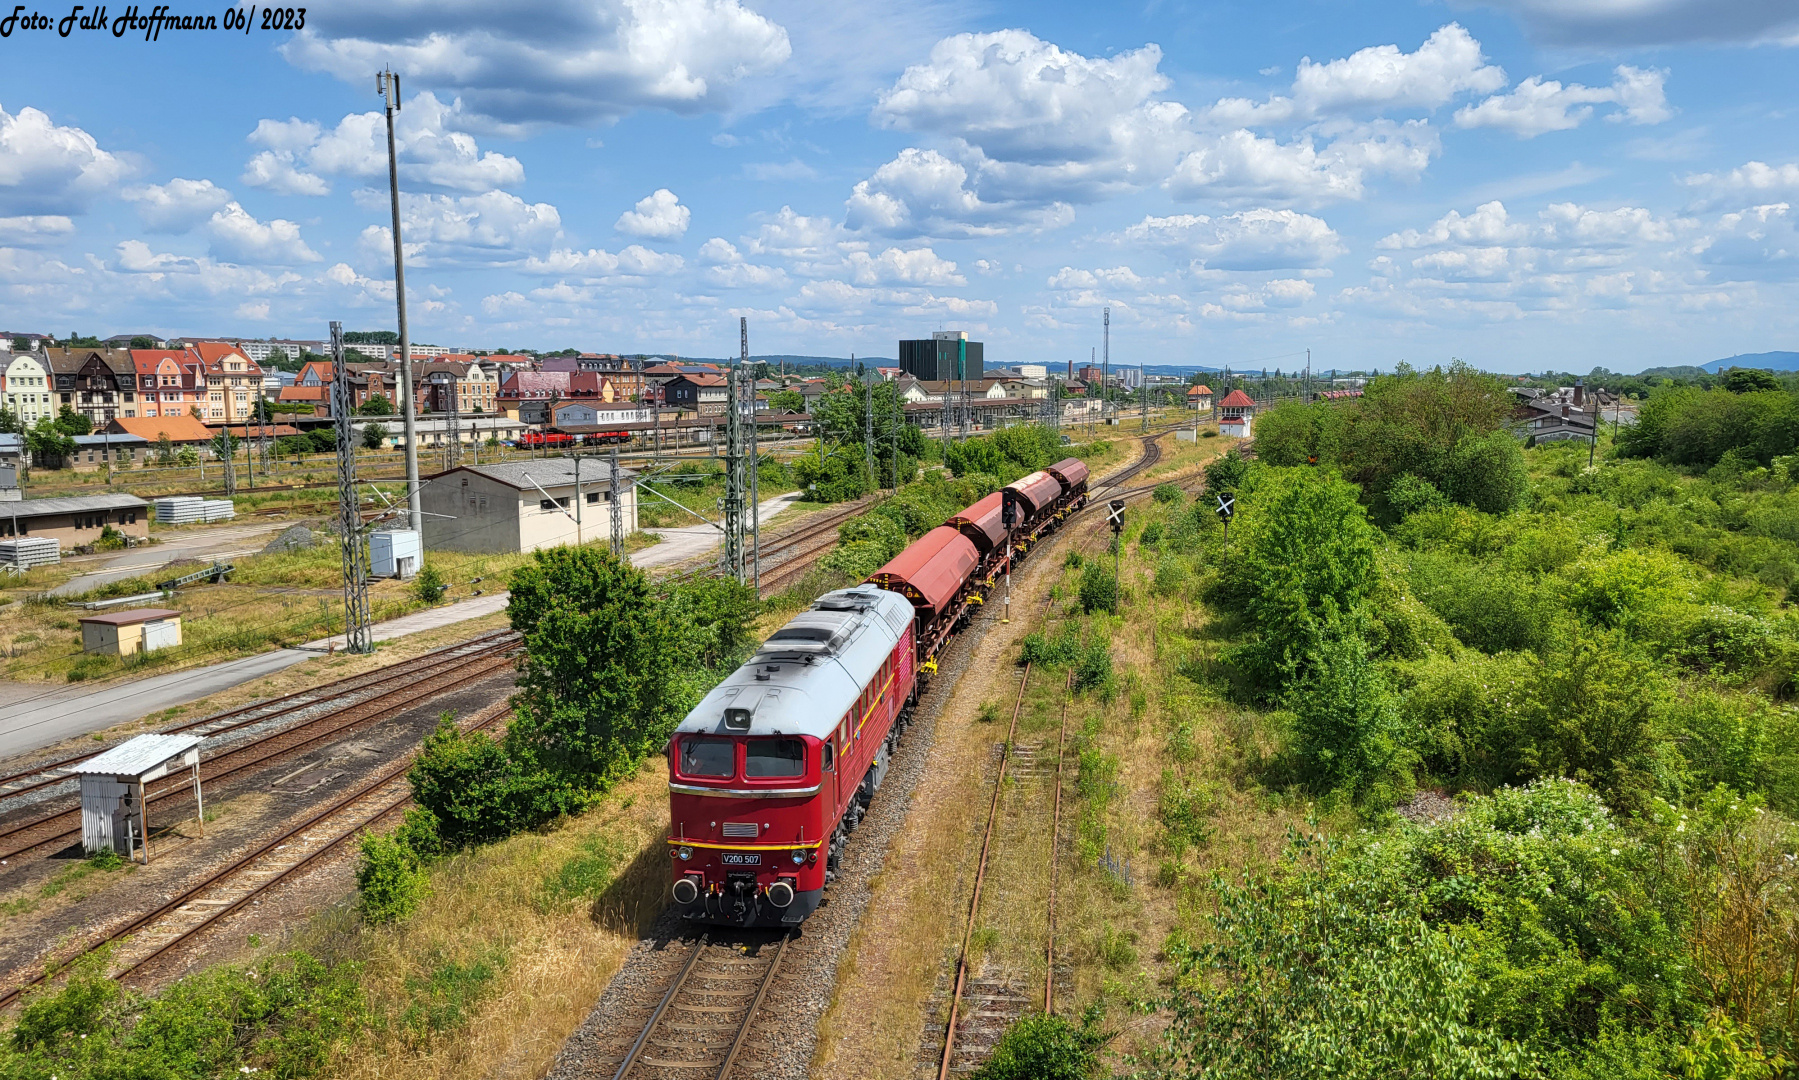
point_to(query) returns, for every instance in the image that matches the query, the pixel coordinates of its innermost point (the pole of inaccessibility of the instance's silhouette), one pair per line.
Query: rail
(217, 908)
(712, 1020)
(980, 879)
(30, 834)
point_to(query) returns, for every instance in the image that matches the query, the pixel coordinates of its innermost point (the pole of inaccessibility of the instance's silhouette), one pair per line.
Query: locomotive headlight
(799, 855)
(684, 853)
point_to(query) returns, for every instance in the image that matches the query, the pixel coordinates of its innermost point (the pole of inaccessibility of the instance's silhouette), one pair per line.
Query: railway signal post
(1227, 509)
(1115, 518)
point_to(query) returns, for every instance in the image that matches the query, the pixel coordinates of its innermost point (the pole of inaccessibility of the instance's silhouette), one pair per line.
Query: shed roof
(71, 504)
(548, 472)
(132, 617)
(182, 428)
(1237, 399)
(139, 755)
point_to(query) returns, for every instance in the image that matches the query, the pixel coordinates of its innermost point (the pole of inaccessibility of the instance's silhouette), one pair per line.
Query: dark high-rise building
(937, 357)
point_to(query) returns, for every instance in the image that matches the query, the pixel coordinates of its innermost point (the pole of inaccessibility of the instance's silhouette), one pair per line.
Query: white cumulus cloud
(1381, 77)
(923, 193)
(550, 61)
(239, 237)
(49, 169)
(1536, 105)
(658, 216)
(179, 205)
(1260, 239)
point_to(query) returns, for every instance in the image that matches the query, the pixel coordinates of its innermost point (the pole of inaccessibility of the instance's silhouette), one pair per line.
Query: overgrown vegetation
(611, 665)
(1595, 664)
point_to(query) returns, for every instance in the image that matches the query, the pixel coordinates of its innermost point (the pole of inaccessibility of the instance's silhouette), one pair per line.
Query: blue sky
(1519, 183)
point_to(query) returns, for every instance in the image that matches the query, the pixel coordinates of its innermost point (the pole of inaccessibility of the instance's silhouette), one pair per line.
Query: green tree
(224, 445)
(429, 586)
(1747, 380)
(48, 445)
(142, 342)
(376, 405)
(1294, 433)
(165, 448)
(476, 791)
(787, 401)
(604, 678)
(373, 436)
(718, 615)
(70, 422)
(1306, 560)
(10, 422)
(1226, 473)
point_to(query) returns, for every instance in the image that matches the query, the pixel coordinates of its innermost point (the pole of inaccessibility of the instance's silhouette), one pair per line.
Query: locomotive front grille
(741, 830)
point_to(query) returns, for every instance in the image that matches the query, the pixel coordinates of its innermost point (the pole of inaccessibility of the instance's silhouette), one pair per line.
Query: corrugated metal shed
(984, 522)
(1073, 472)
(931, 570)
(1038, 490)
(113, 799)
(139, 757)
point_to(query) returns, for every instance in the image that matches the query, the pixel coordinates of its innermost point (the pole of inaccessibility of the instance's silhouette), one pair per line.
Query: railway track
(148, 937)
(956, 1019)
(362, 705)
(700, 1023)
(39, 774)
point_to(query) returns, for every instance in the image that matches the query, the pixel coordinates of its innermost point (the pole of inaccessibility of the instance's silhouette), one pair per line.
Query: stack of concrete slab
(26, 552)
(217, 510)
(180, 510)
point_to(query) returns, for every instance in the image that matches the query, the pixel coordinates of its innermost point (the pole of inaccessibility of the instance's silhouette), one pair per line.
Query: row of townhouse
(456, 383)
(107, 384)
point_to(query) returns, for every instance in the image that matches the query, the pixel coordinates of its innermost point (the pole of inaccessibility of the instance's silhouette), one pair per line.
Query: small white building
(113, 790)
(525, 505)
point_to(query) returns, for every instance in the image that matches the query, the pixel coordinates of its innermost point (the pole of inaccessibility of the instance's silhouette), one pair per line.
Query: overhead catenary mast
(357, 638)
(732, 551)
(1105, 371)
(755, 454)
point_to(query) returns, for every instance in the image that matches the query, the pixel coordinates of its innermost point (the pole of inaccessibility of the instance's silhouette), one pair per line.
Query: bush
(111, 539)
(288, 1017)
(1346, 730)
(1412, 493)
(389, 880)
(1099, 589)
(429, 587)
(1039, 1047)
(477, 793)
(1168, 494)
(1487, 473)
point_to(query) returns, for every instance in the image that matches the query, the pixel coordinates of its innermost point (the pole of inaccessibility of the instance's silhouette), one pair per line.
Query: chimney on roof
(1579, 392)
(1564, 412)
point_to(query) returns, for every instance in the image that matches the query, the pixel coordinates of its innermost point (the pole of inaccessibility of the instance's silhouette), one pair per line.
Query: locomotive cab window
(774, 757)
(708, 757)
(829, 757)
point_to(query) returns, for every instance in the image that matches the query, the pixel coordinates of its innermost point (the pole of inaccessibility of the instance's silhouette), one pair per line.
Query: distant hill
(777, 359)
(1772, 361)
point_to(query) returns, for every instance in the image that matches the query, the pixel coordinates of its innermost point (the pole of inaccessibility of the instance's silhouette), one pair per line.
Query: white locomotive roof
(811, 671)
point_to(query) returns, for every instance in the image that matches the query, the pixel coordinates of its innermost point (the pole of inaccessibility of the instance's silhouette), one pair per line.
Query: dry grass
(512, 948)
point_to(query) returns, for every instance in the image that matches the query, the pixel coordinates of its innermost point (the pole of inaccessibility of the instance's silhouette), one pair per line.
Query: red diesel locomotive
(773, 770)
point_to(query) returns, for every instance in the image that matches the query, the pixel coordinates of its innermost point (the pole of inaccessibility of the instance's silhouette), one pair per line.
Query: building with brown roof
(233, 382)
(100, 384)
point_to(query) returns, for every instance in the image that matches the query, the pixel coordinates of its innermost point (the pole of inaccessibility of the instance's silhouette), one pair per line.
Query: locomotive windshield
(774, 757)
(708, 757)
